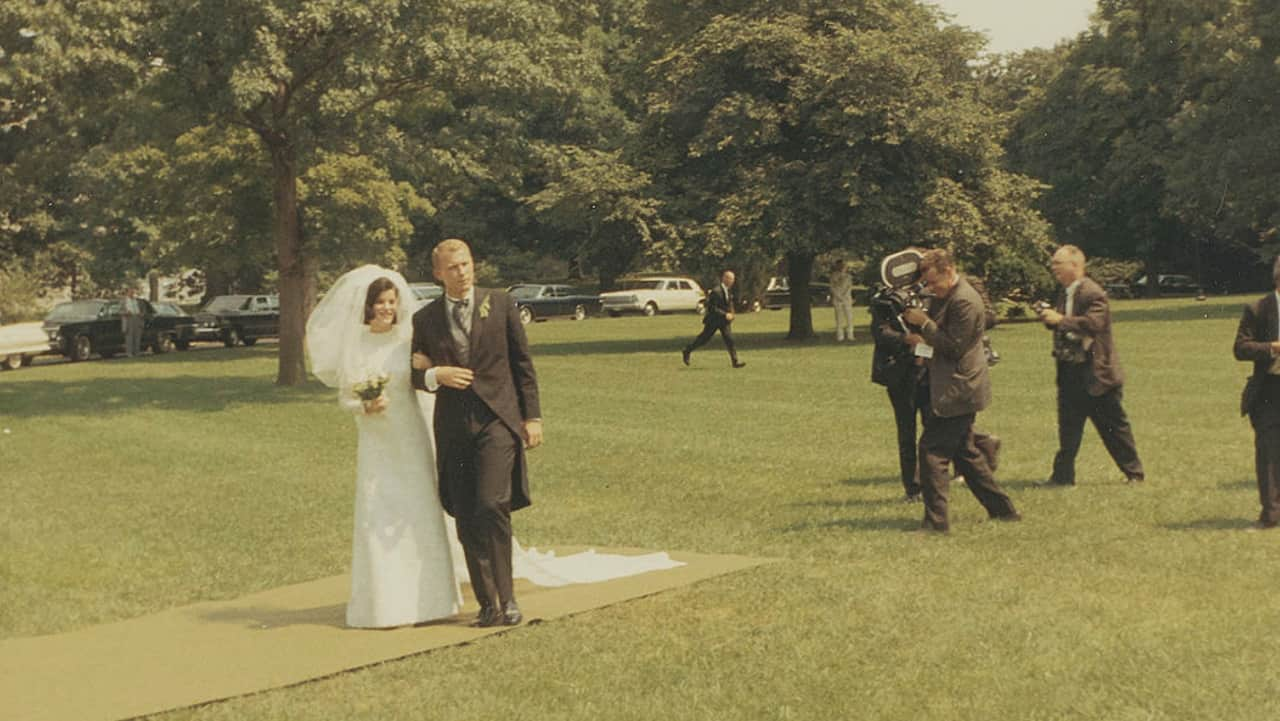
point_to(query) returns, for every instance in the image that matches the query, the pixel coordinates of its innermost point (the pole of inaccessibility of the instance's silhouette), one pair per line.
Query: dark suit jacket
(1091, 319)
(891, 359)
(1253, 343)
(718, 304)
(504, 378)
(958, 379)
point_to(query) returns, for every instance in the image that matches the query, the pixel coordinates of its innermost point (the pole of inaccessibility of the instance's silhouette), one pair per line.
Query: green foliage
(20, 294)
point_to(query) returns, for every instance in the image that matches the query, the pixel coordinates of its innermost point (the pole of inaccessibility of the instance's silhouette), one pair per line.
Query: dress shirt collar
(470, 297)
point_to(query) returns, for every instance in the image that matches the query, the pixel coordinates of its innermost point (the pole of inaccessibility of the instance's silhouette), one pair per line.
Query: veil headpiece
(336, 327)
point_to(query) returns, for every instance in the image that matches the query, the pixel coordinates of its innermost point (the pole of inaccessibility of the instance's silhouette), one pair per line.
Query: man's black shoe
(1010, 517)
(911, 498)
(739, 364)
(488, 616)
(685, 355)
(511, 615)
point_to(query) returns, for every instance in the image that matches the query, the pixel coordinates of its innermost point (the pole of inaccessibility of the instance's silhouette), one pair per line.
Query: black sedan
(540, 302)
(80, 328)
(235, 319)
(778, 294)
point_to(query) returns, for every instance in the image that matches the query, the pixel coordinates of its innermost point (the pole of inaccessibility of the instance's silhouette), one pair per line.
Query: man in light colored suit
(1258, 340)
(131, 323)
(950, 336)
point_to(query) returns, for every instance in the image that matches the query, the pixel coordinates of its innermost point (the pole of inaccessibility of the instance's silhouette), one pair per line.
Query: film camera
(900, 285)
(1068, 346)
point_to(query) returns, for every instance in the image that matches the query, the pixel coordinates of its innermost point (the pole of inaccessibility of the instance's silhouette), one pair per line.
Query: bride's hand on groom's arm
(454, 377)
(421, 362)
(533, 433)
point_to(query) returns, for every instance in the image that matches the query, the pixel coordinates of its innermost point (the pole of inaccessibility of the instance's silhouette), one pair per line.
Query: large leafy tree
(802, 127)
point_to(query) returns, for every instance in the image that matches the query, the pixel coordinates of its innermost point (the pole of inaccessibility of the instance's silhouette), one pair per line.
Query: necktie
(462, 336)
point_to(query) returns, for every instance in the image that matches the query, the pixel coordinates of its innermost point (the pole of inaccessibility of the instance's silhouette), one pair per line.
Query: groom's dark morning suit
(1259, 327)
(719, 305)
(479, 449)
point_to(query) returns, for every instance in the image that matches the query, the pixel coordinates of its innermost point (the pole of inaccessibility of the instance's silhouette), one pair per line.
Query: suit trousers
(951, 440)
(908, 396)
(1265, 418)
(708, 330)
(1108, 416)
(132, 335)
(482, 500)
(844, 319)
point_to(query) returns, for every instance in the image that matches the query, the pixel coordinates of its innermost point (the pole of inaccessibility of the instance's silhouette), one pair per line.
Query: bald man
(1089, 375)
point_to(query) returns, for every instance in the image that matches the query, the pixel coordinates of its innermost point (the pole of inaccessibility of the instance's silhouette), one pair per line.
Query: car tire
(12, 362)
(81, 348)
(248, 341)
(579, 312)
(182, 344)
(230, 337)
(650, 309)
(163, 344)
(615, 313)
(526, 315)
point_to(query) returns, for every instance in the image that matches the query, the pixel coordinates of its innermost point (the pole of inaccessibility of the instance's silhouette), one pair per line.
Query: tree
(802, 127)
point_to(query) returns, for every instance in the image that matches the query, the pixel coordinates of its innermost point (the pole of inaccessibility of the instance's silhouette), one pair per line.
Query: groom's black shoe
(511, 615)
(488, 616)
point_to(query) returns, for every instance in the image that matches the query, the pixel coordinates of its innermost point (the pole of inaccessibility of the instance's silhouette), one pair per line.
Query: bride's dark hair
(377, 288)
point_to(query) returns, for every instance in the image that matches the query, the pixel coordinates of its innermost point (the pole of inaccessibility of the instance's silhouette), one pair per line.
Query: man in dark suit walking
(950, 336)
(1258, 340)
(719, 317)
(903, 375)
(486, 413)
(1089, 375)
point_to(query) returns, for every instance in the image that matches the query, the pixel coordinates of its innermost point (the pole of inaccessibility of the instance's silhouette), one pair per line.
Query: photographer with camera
(903, 375)
(949, 336)
(1089, 376)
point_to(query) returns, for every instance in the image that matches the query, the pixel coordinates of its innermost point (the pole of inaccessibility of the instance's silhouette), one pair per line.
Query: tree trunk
(799, 271)
(153, 286)
(293, 265)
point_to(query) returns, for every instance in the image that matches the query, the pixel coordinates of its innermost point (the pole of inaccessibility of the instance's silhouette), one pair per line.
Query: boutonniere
(484, 307)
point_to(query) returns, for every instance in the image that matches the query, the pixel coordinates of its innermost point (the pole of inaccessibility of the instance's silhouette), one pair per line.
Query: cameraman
(1089, 376)
(959, 387)
(895, 367)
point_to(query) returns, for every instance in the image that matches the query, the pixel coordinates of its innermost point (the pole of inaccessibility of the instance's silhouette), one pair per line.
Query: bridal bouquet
(370, 389)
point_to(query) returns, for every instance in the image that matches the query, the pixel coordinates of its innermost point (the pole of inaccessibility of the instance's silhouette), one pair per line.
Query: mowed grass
(133, 486)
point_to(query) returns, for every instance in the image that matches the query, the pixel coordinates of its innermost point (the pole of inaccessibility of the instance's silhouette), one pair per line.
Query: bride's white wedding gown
(407, 564)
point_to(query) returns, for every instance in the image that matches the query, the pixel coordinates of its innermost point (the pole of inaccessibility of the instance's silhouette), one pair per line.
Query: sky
(1012, 25)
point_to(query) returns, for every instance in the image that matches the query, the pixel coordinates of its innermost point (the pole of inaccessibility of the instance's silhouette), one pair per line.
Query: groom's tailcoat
(504, 382)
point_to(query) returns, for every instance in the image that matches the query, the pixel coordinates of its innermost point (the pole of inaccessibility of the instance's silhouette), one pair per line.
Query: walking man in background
(1089, 374)
(719, 317)
(1258, 340)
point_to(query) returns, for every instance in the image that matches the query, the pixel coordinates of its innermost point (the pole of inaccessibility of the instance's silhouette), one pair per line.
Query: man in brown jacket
(1258, 340)
(1089, 375)
(959, 387)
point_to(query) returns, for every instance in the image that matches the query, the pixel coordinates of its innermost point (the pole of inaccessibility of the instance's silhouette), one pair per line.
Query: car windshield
(640, 285)
(167, 309)
(426, 292)
(75, 309)
(525, 292)
(226, 302)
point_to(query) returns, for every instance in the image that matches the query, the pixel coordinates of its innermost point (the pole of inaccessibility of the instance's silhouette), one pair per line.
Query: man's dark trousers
(1265, 418)
(1108, 416)
(908, 395)
(951, 440)
(708, 330)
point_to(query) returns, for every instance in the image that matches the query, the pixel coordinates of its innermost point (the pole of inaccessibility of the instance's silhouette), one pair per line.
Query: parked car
(652, 295)
(424, 293)
(540, 302)
(20, 343)
(1168, 284)
(235, 319)
(184, 331)
(80, 328)
(778, 294)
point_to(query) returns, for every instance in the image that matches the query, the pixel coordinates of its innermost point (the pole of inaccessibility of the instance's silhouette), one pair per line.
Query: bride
(406, 564)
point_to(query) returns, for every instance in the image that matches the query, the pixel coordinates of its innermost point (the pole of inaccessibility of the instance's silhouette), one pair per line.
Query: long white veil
(335, 326)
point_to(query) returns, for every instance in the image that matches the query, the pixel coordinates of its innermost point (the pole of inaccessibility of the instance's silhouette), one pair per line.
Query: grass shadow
(872, 481)
(1191, 309)
(855, 524)
(1240, 485)
(111, 396)
(1209, 524)
(267, 618)
(745, 343)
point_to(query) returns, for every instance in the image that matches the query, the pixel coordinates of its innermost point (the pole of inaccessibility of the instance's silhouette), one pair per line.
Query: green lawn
(133, 486)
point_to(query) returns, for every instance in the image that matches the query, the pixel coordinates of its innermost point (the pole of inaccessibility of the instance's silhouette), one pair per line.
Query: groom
(486, 413)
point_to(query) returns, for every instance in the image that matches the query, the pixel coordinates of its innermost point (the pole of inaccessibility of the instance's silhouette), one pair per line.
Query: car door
(560, 300)
(107, 332)
(152, 323)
